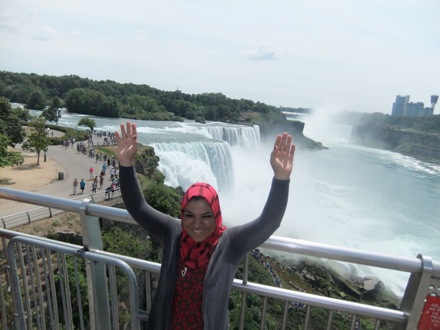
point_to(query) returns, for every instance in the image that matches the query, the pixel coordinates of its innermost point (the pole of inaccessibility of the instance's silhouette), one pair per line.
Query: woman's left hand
(281, 158)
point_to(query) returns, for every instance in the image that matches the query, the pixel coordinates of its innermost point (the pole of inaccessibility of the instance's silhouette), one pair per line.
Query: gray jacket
(231, 249)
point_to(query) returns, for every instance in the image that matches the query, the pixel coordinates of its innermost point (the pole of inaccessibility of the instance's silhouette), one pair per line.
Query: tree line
(429, 124)
(107, 99)
(111, 99)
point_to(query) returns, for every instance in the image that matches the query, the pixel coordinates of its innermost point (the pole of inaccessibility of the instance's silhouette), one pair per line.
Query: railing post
(243, 297)
(96, 280)
(19, 316)
(416, 291)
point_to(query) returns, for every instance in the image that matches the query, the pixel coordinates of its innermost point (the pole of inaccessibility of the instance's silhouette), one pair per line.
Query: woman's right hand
(127, 144)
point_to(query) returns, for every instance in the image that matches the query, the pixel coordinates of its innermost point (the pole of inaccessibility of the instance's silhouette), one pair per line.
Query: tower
(434, 99)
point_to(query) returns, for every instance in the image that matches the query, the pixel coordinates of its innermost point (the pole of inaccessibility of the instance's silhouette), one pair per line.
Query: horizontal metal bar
(412, 265)
(145, 265)
(56, 246)
(65, 204)
(320, 301)
(134, 262)
(291, 245)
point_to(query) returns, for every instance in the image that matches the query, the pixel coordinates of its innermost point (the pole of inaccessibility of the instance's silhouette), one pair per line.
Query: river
(348, 195)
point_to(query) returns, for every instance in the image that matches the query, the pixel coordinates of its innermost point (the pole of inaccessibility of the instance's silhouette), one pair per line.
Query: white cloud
(45, 33)
(263, 52)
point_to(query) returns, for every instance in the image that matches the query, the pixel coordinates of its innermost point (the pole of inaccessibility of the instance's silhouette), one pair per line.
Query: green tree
(53, 113)
(163, 198)
(11, 122)
(8, 158)
(56, 102)
(88, 122)
(38, 140)
(110, 99)
(88, 101)
(22, 114)
(36, 100)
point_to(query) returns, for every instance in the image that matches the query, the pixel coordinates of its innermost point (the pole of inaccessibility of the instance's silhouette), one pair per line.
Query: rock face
(420, 145)
(294, 128)
(373, 288)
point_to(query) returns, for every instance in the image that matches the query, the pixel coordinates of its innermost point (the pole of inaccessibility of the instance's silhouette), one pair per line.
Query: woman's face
(198, 219)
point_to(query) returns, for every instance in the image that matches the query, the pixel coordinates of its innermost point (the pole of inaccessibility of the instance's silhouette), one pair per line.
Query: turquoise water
(349, 196)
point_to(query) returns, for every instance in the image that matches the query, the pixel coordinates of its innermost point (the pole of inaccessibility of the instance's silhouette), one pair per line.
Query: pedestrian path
(71, 164)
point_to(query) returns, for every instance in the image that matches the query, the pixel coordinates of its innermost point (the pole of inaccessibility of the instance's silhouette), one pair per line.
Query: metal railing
(24, 218)
(39, 275)
(424, 280)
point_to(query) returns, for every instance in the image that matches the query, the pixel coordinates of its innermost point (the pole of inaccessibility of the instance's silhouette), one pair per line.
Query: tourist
(101, 180)
(75, 186)
(198, 246)
(82, 186)
(95, 184)
(112, 173)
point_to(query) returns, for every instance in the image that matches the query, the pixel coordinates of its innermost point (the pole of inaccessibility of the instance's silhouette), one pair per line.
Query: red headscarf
(197, 254)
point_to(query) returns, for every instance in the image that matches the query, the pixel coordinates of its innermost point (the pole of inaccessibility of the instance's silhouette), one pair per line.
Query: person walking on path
(91, 171)
(75, 186)
(82, 185)
(94, 186)
(112, 173)
(101, 180)
(200, 255)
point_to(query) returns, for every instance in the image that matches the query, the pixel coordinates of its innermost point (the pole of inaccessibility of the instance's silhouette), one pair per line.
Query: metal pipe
(320, 301)
(412, 265)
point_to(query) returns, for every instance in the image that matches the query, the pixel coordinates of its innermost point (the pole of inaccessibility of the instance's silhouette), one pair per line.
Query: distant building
(399, 107)
(402, 107)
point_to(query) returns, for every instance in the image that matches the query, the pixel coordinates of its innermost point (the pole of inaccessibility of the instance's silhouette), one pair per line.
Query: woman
(75, 186)
(200, 256)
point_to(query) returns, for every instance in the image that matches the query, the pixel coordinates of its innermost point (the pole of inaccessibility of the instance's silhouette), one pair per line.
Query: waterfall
(189, 162)
(208, 160)
(245, 136)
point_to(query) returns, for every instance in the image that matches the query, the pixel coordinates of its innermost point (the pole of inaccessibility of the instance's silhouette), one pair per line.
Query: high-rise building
(402, 107)
(399, 107)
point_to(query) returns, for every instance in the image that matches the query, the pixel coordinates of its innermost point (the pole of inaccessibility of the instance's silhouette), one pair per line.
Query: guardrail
(421, 297)
(24, 218)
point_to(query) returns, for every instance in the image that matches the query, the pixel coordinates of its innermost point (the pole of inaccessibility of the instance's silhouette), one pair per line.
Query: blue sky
(326, 55)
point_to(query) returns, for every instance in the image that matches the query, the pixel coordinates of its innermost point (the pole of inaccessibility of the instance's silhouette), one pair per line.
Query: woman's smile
(198, 219)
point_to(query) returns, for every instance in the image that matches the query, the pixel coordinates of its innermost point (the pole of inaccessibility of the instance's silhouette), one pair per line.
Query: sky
(319, 54)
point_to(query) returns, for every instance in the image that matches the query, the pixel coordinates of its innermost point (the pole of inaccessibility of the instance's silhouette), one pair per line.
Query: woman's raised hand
(281, 157)
(127, 144)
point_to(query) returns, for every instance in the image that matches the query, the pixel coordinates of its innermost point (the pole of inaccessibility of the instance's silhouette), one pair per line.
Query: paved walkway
(73, 164)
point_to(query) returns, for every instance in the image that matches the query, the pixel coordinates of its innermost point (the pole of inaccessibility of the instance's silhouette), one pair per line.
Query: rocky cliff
(294, 128)
(424, 146)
